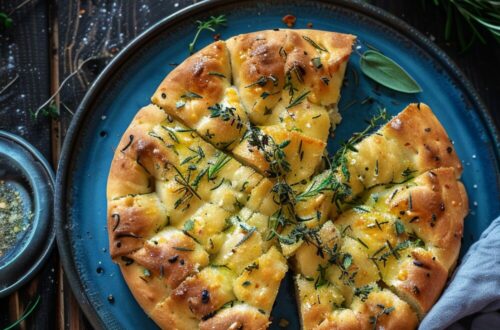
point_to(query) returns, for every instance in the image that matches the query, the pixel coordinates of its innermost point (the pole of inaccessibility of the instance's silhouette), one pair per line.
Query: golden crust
(315, 59)
(204, 293)
(438, 206)
(259, 287)
(304, 153)
(147, 289)
(419, 280)
(344, 319)
(385, 310)
(172, 256)
(193, 75)
(412, 142)
(190, 234)
(240, 316)
(131, 220)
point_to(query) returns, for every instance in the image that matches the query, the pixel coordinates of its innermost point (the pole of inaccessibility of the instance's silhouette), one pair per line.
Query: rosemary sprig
(471, 18)
(198, 155)
(210, 25)
(215, 168)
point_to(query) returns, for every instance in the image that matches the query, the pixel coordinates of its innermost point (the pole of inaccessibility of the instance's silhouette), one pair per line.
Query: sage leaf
(387, 73)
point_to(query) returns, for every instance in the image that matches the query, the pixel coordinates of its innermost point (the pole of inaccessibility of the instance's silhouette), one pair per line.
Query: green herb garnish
(314, 44)
(210, 25)
(215, 168)
(388, 73)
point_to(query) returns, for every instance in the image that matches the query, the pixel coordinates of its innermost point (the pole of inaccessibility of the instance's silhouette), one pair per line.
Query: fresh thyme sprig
(210, 25)
(226, 114)
(215, 168)
(471, 18)
(273, 152)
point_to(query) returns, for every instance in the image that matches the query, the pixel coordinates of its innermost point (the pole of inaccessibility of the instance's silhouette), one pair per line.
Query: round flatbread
(219, 186)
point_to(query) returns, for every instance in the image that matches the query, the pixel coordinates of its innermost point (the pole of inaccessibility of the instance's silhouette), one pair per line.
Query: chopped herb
(314, 44)
(321, 279)
(384, 311)
(317, 62)
(361, 209)
(246, 283)
(346, 261)
(215, 168)
(400, 228)
(183, 249)
(262, 81)
(131, 139)
(191, 95)
(180, 104)
(298, 100)
(249, 233)
(325, 80)
(199, 154)
(251, 267)
(264, 95)
(361, 242)
(189, 225)
(363, 292)
(218, 74)
(171, 133)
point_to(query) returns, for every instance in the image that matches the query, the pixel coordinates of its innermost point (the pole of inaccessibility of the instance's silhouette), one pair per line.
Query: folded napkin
(472, 299)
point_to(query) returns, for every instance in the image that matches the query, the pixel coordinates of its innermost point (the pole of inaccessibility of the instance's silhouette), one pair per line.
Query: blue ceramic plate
(127, 84)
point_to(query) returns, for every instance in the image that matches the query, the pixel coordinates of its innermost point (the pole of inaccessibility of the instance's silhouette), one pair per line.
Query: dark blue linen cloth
(472, 299)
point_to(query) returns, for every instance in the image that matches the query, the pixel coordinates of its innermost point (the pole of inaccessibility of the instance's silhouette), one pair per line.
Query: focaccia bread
(219, 185)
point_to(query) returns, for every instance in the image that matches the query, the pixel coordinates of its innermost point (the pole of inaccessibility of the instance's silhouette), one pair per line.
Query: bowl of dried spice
(26, 211)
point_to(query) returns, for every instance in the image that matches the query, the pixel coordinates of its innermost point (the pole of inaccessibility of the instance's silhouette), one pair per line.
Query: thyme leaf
(210, 25)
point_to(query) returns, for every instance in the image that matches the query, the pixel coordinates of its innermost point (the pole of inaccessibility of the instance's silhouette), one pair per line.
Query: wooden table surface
(48, 42)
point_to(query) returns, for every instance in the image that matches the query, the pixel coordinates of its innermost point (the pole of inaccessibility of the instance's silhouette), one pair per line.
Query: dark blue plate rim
(44, 248)
(60, 210)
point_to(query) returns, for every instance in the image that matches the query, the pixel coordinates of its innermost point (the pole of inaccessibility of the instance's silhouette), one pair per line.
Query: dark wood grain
(50, 41)
(24, 54)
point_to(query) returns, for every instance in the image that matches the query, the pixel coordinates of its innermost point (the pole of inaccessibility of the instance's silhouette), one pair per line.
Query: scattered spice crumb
(289, 20)
(111, 299)
(310, 25)
(217, 37)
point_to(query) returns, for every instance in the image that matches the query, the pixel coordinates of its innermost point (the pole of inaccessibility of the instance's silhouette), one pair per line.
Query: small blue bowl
(26, 171)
